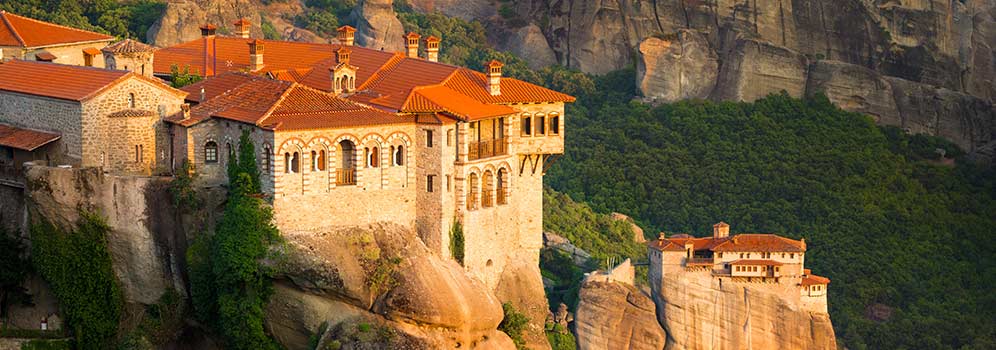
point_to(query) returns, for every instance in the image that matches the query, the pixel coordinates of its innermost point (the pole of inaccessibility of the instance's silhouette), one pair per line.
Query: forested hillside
(904, 237)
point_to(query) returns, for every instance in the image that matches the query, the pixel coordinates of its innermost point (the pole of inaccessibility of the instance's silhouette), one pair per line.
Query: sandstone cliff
(383, 276)
(700, 313)
(377, 26)
(181, 20)
(613, 314)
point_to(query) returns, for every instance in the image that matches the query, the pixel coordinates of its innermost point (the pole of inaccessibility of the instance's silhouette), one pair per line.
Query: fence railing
(488, 148)
(345, 177)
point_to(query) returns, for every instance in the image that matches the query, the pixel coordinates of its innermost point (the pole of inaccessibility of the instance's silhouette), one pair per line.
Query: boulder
(181, 20)
(853, 88)
(676, 67)
(614, 315)
(753, 69)
(384, 275)
(521, 284)
(377, 26)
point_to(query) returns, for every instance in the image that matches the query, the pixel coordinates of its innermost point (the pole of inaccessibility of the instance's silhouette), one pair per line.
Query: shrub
(182, 189)
(560, 339)
(182, 77)
(77, 265)
(457, 241)
(513, 324)
(61, 344)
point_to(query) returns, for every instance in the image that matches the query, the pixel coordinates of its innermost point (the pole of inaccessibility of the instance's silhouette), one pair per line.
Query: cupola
(432, 48)
(494, 77)
(411, 44)
(242, 27)
(343, 74)
(346, 34)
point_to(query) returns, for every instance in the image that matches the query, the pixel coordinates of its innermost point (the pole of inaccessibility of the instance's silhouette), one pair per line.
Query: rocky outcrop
(521, 284)
(529, 43)
(753, 69)
(181, 20)
(637, 231)
(377, 26)
(463, 9)
(677, 67)
(381, 275)
(854, 88)
(964, 119)
(613, 314)
(559, 243)
(699, 312)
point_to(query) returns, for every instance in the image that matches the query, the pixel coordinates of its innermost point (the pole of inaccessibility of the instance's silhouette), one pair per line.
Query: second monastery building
(344, 135)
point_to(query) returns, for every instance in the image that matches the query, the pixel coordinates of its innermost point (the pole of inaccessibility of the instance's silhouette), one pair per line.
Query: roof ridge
(54, 25)
(392, 62)
(3, 14)
(277, 103)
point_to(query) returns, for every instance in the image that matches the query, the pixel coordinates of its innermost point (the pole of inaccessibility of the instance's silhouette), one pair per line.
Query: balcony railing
(11, 176)
(345, 177)
(698, 261)
(488, 148)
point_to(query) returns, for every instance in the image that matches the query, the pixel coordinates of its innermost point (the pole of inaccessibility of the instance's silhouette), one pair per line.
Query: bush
(182, 77)
(514, 324)
(561, 339)
(457, 241)
(61, 344)
(77, 265)
(182, 189)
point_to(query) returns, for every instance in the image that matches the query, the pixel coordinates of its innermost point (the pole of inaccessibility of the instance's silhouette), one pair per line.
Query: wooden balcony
(487, 149)
(345, 177)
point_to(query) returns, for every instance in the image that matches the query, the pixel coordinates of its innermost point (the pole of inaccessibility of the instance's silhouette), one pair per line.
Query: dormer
(411, 44)
(343, 74)
(242, 27)
(494, 77)
(346, 35)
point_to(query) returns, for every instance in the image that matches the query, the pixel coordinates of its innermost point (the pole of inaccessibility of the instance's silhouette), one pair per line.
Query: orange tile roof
(444, 99)
(26, 32)
(279, 105)
(92, 51)
(127, 46)
(665, 245)
(66, 82)
(810, 279)
(753, 242)
(756, 262)
(24, 139)
(475, 85)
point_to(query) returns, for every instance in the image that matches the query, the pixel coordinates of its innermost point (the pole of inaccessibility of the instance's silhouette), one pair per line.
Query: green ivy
(77, 265)
(513, 324)
(457, 241)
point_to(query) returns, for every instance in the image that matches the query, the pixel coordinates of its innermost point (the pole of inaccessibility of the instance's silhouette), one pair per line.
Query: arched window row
(488, 189)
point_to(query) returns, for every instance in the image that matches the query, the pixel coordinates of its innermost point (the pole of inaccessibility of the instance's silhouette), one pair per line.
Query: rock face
(678, 67)
(385, 276)
(377, 26)
(698, 313)
(181, 20)
(753, 69)
(557, 242)
(613, 314)
(854, 88)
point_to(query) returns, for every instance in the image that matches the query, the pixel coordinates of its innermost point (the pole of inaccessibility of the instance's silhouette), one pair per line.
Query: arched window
(488, 197)
(211, 152)
(292, 163)
(399, 155)
(267, 156)
(501, 186)
(472, 190)
(131, 100)
(230, 150)
(372, 157)
(318, 160)
(346, 174)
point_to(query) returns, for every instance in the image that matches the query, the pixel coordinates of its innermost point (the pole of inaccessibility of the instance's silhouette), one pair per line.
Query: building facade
(29, 39)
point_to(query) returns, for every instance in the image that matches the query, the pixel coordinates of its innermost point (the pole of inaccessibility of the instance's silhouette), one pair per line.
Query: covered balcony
(486, 139)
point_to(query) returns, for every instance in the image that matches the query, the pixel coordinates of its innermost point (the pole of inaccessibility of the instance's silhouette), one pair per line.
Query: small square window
(428, 138)
(428, 183)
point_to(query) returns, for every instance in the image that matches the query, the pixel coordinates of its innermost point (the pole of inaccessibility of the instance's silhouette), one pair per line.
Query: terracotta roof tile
(45, 56)
(444, 99)
(810, 279)
(92, 51)
(128, 46)
(24, 139)
(66, 82)
(26, 32)
(474, 84)
(752, 242)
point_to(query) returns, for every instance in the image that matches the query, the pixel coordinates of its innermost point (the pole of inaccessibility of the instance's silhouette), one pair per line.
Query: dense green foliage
(14, 268)
(457, 241)
(560, 338)
(182, 189)
(886, 226)
(77, 266)
(513, 324)
(323, 17)
(245, 163)
(230, 284)
(129, 18)
(40, 344)
(180, 77)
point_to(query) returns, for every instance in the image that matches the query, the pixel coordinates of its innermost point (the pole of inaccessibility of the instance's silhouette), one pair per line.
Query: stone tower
(129, 55)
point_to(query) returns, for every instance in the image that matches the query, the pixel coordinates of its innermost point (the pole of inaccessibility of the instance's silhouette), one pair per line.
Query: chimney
(720, 230)
(342, 55)
(255, 55)
(432, 49)
(203, 95)
(242, 27)
(494, 77)
(186, 110)
(411, 44)
(208, 30)
(346, 35)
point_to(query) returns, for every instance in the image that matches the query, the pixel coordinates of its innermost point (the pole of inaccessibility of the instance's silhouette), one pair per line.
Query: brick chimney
(432, 49)
(411, 44)
(242, 27)
(720, 230)
(255, 55)
(210, 60)
(342, 55)
(208, 30)
(494, 77)
(346, 35)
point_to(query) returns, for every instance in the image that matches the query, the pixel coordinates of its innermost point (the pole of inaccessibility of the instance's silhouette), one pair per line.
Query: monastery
(763, 260)
(344, 135)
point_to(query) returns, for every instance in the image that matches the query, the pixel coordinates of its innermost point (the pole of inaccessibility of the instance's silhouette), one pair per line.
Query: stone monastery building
(761, 259)
(344, 135)
(29, 39)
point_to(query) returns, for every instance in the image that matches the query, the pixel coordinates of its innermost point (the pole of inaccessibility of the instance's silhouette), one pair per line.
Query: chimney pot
(411, 44)
(242, 27)
(432, 48)
(346, 35)
(208, 30)
(494, 77)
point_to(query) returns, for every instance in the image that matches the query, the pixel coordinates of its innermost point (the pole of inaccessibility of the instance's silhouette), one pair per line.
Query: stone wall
(110, 138)
(71, 54)
(189, 144)
(433, 222)
(46, 114)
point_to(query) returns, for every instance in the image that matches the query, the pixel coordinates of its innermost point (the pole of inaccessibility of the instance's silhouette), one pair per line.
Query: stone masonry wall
(110, 142)
(433, 223)
(66, 54)
(45, 114)
(189, 144)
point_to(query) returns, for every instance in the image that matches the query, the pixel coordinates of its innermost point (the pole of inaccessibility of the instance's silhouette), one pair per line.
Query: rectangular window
(448, 186)
(88, 60)
(449, 137)
(527, 126)
(428, 183)
(428, 138)
(540, 125)
(555, 125)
